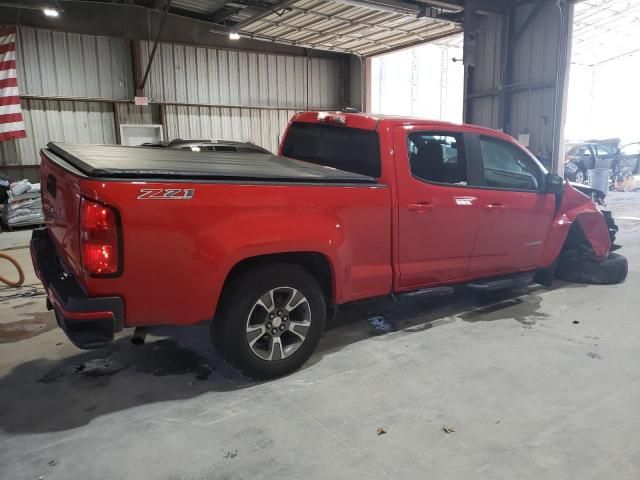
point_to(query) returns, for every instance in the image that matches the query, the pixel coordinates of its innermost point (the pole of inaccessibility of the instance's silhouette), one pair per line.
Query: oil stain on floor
(36, 324)
(161, 358)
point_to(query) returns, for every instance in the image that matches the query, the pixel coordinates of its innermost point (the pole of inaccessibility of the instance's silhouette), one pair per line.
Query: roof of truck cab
(116, 161)
(370, 121)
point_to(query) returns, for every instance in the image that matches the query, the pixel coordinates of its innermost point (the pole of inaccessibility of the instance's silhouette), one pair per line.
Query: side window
(603, 150)
(437, 157)
(631, 149)
(585, 152)
(506, 166)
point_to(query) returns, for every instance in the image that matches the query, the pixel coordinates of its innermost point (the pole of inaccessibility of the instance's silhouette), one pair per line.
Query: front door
(437, 218)
(515, 212)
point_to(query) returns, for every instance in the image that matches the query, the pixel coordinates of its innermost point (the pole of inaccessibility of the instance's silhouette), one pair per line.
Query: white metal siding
(260, 126)
(55, 120)
(130, 113)
(72, 65)
(487, 72)
(185, 74)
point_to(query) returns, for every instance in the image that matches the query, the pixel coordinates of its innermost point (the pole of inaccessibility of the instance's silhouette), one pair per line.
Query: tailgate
(61, 207)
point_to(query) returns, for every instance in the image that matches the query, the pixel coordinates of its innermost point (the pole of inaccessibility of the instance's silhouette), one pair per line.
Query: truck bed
(115, 161)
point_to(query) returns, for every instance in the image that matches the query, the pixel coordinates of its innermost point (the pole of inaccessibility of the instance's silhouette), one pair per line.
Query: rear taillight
(99, 239)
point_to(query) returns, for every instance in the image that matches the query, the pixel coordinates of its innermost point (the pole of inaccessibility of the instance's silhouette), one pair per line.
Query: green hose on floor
(18, 267)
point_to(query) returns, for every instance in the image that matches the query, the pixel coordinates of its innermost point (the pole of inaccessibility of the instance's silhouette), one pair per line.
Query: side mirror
(554, 184)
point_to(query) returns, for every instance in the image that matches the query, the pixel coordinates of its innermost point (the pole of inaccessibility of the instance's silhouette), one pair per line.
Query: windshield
(349, 149)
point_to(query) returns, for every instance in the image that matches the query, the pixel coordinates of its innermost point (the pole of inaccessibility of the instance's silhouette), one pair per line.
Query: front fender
(578, 208)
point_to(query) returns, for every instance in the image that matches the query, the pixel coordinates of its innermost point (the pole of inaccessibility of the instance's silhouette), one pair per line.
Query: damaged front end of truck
(587, 254)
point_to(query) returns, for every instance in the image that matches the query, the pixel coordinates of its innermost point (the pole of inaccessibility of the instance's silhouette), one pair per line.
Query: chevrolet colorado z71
(264, 246)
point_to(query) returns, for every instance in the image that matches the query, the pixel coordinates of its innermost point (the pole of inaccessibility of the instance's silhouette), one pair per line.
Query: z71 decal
(166, 194)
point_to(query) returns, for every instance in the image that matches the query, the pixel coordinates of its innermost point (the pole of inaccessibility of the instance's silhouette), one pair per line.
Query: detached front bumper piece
(88, 322)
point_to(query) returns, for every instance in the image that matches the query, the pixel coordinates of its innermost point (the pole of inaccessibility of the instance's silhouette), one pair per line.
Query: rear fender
(577, 208)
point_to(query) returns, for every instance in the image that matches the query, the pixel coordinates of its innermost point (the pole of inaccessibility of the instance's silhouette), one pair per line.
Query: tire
(260, 306)
(607, 272)
(581, 176)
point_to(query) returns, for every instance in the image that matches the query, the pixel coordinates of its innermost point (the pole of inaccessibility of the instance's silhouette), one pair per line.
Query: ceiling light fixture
(50, 12)
(234, 36)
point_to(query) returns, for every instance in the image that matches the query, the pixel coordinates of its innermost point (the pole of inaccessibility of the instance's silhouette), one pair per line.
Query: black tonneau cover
(115, 161)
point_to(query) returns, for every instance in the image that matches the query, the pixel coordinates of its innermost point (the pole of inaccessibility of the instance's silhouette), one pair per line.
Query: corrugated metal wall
(71, 65)
(526, 92)
(483, 102)
(212, 93)
(55, 120)
(145, 115)
(59, 64)
(535, 63)
(186, 74)
(260, 126)
(225, 94)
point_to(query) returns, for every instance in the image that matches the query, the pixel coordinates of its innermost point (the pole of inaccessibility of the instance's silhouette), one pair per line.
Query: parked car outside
(582, 157)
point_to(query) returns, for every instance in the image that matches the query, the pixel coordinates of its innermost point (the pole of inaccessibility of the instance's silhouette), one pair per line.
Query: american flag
(11, 122)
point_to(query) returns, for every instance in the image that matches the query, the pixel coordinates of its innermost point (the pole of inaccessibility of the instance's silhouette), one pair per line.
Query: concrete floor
(530, 393)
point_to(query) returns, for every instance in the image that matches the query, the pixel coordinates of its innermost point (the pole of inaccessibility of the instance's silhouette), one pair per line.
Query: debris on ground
(52, 463)
(381, 431)
(230, 454)
(203, 371)
(448, 428)
(95, 367)
(100, 367)
(575, 322)
(380, 324)
(594, 355)
(161, 358)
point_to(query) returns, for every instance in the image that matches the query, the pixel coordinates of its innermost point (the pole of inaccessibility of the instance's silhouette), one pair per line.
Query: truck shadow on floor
(45, 395)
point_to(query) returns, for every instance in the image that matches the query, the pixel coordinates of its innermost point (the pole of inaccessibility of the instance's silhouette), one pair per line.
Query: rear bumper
(88, 322)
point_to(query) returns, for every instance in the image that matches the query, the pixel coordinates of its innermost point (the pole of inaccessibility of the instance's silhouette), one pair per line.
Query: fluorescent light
(50, 12)
(234, 36)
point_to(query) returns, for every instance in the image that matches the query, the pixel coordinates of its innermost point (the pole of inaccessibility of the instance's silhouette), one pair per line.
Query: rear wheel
(581, 270)
(270, 321)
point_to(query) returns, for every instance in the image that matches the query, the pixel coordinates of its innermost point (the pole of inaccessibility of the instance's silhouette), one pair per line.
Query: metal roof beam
(314, 33)
(278, 6)
(351, 21)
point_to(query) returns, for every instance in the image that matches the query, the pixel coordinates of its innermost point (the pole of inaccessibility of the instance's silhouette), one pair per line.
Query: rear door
(605, 156)
(515, 213)
(629, 156)
(437, 218)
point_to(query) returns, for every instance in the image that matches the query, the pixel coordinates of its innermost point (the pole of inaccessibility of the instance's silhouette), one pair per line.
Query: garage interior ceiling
(605, 30)
(360, 27)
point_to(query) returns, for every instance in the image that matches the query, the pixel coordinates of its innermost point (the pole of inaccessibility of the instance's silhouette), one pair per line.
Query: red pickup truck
(265, 247)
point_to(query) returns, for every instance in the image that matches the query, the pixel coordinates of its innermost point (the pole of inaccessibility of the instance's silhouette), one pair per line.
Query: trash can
(599, 179)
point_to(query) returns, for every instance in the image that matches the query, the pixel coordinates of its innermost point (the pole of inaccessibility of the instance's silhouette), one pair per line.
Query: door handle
(495, 207)
(421, 207)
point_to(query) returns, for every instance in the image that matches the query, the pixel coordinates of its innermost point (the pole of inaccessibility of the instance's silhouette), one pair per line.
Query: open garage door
(605, 66)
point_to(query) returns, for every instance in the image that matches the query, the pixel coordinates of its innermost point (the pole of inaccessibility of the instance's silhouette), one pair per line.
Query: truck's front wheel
(270, 321)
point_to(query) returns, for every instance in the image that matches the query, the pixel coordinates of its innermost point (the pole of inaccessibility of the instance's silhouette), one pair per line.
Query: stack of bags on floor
(4, 188)
(24, 205)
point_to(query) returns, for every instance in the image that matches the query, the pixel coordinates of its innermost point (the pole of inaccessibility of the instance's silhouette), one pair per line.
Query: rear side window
(506, 166)
(631, 149)
(344, 148)
(437, 157)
